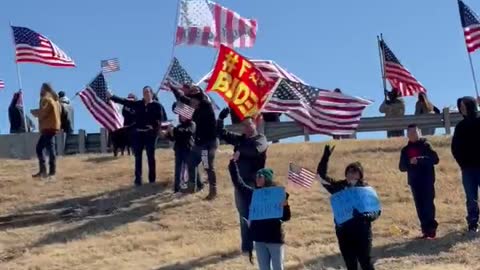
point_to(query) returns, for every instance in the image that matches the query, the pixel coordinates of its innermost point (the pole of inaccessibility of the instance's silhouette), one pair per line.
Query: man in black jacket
(149, 115)
(15, 114)
(465, 150)
(206, 142)
(418, 160)
(128, 113)
(252, 147)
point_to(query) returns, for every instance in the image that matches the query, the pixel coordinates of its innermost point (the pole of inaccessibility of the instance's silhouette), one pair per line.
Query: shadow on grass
(202, 262)
(397, 250)
(101, 159)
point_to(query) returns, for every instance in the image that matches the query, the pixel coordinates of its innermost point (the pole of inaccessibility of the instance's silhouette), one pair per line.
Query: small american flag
(206, 23)
(176, 76)
(300, 176)
(398, 76)
(94, 97)
(2, 84)
(322, 111)
(184, 110)
(270, 70)
(31, 47)
(471, 26)
(110, 65)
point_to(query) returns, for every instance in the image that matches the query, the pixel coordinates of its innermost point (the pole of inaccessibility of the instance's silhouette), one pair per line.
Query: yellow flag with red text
(239, 83)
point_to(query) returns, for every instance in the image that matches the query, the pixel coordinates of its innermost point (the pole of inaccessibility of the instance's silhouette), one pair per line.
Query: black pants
(203, 154)
(181, 162)
(355, 242)
(147, 141)
(424, 196)
(45, 142)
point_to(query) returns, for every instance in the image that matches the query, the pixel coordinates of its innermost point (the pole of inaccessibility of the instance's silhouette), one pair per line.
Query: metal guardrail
(97, 142)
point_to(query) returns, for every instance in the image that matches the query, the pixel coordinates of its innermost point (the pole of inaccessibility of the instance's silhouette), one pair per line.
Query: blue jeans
(471, 182)
(45, 142)
(269, 256)
(147, 141)
(181, 159)
(243, 207)
(196, 158)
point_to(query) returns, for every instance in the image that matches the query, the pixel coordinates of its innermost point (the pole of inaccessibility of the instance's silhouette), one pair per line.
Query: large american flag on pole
(300, 176)
(270, 70)
(32, 47)
(95, 98)
(206, 23)
(321, 111)
(398, 76)
(471, 26)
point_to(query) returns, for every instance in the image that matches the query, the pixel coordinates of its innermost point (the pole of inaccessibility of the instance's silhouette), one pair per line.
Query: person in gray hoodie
(66, 114)
(252, 147)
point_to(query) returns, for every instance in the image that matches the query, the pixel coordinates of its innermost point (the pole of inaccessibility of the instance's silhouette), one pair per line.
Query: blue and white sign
(267, 203)
(364, 199)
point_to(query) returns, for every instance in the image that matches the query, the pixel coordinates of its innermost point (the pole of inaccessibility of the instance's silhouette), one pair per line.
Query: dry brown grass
(118, 227)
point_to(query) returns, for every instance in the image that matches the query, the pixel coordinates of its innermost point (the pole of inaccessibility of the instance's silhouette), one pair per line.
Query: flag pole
(382, 63)
(473, 73)
(19, 79)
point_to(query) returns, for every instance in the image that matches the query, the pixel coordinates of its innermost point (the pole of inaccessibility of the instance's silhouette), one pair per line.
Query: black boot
(212, 193)
(42, 173)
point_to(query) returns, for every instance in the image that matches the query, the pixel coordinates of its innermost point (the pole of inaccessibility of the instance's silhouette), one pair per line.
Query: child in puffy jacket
(268, 234)
(355, 235)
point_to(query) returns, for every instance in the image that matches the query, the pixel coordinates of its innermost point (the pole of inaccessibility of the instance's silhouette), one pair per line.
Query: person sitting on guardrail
(466, 151)
(48, 115)
(418, 159)
(183, 137)
(253, 154)
(149, 115)
(424, 106)
(267, 234)
(393, 106)
(355, 235)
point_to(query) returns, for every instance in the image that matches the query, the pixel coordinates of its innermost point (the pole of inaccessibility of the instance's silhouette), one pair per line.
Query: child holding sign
(354, 235)
(267, 233)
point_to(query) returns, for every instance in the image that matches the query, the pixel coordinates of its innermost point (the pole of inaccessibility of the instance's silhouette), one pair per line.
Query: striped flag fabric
(471, 26)
(300, 176)
(2, 84)
(206, 23)
(398, 76)
(95, 99)
(176, 76)
(321, 111)
(270, 70)
(184, 110)
(110, 65)
(32, 47)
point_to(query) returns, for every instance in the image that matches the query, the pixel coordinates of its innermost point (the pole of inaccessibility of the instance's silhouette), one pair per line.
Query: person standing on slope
(418, 159)
(466, 151)
(206, 141)
(252, 147)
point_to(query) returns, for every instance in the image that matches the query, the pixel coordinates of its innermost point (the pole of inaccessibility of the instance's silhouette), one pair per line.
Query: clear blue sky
(327, 43)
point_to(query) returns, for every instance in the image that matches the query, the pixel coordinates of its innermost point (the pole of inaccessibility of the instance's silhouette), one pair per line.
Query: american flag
(94, 96)
(398, 76)
(471, 26)
(321, 111)
(300, 176)
(2, 84)
(176, 76)
(206, 23)
(110, 65)
(184, 110)
(270, 70)
(32, 47)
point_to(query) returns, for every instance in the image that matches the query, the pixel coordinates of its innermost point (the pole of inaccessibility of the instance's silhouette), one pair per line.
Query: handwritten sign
(364, 199)
(239, 83)
(267, 203)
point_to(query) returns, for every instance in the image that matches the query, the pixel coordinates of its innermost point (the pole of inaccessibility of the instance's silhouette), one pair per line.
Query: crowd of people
(196, 141)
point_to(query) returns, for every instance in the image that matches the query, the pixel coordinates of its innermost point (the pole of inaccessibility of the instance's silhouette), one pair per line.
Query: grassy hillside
(92, 218)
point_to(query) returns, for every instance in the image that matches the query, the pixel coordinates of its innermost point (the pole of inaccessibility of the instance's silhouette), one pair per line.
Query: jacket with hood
(360, 222)
(253, 151)
(15, 115)
(422, 173)
(183, 136)
(128, 116)
(66, 115)
(268, 230)
(49, 114)
(466, 138)
(394, 108)
(204, 116)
